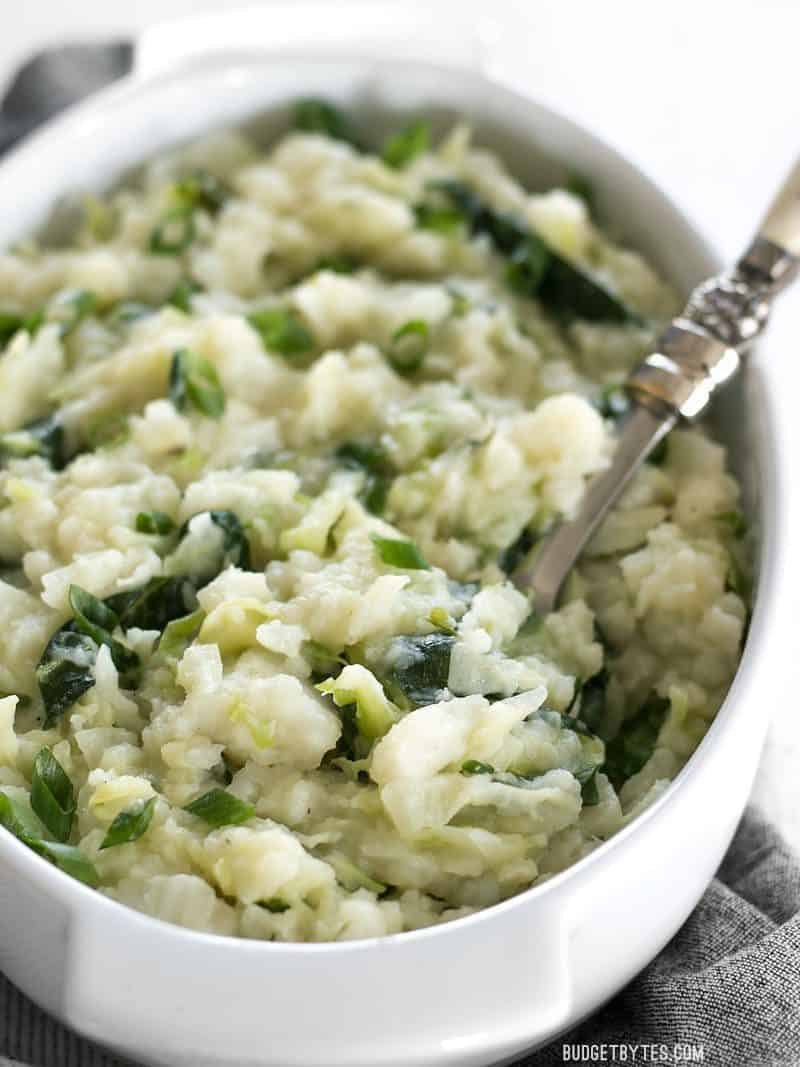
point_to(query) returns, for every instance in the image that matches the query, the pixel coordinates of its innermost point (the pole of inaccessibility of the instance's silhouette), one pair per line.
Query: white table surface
(703, 96)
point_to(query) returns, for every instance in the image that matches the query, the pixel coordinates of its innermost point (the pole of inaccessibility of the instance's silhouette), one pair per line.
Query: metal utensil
(56, 78)
(697, 352)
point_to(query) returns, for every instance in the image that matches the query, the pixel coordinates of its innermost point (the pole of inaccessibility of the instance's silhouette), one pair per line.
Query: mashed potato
(274, 429)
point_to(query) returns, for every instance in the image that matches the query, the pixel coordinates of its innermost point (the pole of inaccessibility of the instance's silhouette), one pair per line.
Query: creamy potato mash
(275, 426)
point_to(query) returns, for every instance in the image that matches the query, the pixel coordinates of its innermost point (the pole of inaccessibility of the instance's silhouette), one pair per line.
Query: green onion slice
(282, 331)
(193, 381)
(52, 795)
(174, 233)
(474, 766)
(403, 554)
(220, 808)
(405, 146)
(409, 346)
(129, 825)
(154, 522)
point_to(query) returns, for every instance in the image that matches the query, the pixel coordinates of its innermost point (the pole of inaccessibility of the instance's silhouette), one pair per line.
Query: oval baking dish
(480, 989)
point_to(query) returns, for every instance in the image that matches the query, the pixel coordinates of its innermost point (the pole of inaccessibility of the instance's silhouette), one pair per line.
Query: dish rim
(75, 894)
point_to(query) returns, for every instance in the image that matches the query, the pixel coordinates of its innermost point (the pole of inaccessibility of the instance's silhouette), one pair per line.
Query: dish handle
(457, 995)
(454, 36)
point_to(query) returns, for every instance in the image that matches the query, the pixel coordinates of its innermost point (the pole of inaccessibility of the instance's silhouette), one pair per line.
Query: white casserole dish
(481, 989)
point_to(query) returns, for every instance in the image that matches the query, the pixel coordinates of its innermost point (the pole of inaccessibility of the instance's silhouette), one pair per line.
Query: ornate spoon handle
(696, 353)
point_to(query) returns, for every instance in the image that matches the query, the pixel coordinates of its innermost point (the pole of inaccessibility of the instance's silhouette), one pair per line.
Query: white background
(704, 96)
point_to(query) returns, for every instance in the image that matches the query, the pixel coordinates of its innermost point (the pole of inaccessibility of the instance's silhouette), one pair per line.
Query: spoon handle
(696, 353)
(543, 572)
(781, 224)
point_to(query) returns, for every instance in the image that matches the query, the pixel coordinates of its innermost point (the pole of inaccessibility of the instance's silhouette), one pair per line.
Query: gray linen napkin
(726, 988)
(728, 984)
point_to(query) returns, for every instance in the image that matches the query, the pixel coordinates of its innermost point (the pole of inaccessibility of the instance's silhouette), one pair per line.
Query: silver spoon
(696, 353)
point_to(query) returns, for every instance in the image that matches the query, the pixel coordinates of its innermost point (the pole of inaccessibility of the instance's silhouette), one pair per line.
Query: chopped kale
(378, 471)
(511, 556)
(633, 746)
(314, 115)
(65, 671)
(42, 437)
(535, 269)
(421, 665)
